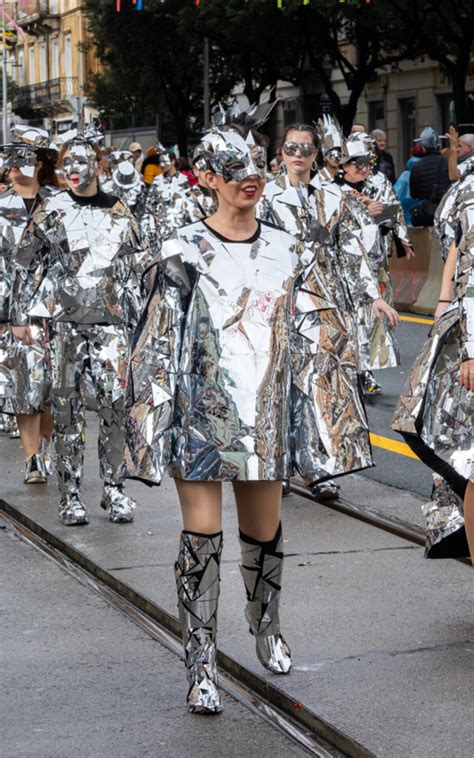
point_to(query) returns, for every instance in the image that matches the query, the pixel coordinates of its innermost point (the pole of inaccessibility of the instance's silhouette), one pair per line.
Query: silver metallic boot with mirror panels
(197, 581)
(261, 569)
(118, 505)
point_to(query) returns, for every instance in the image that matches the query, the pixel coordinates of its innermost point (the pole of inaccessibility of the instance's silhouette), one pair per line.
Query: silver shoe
(72, 512)
(45, 453)
(118, 505)
(14, 432)
(197, 582)
(261, 569)
(35, 472)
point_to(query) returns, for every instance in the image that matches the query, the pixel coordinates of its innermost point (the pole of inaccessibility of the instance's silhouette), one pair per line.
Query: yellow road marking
(395, 447)
(415, 320)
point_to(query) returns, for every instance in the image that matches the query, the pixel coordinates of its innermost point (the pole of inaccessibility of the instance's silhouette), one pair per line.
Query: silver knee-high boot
(197, 580)
(261, 569)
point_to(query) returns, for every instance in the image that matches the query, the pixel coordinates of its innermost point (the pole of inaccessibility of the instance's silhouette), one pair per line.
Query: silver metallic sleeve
(154, 372)
(465, 284)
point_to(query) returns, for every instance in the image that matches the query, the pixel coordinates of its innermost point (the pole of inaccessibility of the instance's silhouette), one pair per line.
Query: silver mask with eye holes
(230, 156)
(81, 161)
(21, 152)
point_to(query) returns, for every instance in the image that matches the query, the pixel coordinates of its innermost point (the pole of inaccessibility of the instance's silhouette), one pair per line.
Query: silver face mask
(82, 162)
(21, 157)
(333, 156)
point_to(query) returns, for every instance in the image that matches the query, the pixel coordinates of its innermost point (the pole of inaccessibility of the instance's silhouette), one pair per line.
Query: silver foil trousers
(102, 353)
(261, 569)
(197, 581)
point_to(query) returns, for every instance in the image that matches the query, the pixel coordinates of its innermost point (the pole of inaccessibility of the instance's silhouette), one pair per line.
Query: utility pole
(5, 130)
(207, 108)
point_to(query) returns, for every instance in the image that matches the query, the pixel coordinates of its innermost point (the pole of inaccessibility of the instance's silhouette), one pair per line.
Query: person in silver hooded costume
(79, 266)
(377, 343)
(289, 202)
(225, 388)
(24, 362)
(436, 409)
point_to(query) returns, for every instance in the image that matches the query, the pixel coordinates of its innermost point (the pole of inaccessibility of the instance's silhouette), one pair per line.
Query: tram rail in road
(294, 719)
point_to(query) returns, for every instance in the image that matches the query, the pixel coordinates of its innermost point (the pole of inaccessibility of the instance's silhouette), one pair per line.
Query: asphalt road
(392, 468)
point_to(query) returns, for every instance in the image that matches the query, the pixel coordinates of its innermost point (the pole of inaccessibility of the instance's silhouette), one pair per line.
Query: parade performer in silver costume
(447, 213)
(436, 409)
(225, 389)
(378, 347)
(332, 142)
(79, 266)
(24, 362)
(289, 203)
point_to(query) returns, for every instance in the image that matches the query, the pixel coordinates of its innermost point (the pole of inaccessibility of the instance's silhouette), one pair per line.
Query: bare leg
(469, 517)
(201, 506)
(46, 423)
(29, 426)
(258, 508)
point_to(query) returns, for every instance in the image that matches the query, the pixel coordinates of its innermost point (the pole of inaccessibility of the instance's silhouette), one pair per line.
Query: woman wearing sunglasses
(290, 202)
(377, 341)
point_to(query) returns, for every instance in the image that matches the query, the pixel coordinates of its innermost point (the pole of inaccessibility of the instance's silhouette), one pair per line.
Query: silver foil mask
(21, 157)
(81, 161)
(334, 156)
(231, 157)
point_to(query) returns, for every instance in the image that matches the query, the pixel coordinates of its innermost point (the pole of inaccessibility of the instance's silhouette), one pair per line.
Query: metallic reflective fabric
(35, 470)
(447, 214)
(215, 395)
(174, 203)
(434, 405)
(197, 581)
(118, 505)
(262, 569)
(444, 515)
(79, 263)
(24, 369)
(101, 352)
(378, 344)
(72, 511)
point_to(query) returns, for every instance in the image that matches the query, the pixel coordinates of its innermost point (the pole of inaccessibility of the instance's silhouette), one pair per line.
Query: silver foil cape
(80, 267)
(377, 340)
(434, 405)
(226, 366)
(24, 369)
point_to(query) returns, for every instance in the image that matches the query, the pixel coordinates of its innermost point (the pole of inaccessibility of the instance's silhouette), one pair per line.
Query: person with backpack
(429, 179)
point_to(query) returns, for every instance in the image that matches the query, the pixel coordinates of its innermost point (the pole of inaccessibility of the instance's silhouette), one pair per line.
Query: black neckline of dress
(253, 238)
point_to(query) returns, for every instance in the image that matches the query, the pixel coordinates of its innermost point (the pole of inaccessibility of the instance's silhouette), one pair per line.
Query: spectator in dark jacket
(429, 178)
(384, 160)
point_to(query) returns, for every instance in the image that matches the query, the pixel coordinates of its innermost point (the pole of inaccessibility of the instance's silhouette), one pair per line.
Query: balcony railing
(48, 97)
(37, 15)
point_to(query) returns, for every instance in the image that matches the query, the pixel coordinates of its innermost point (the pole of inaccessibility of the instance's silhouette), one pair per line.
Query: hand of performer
(375, 208)
(408, 249)
(467, 374)
(381, 309)
(23, 334)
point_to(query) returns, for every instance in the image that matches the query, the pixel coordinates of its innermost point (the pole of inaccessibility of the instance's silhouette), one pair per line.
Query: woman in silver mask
(225, 390)
(24, 361)
(80, 265)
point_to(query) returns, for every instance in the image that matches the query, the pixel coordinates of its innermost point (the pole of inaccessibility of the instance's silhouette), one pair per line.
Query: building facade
(51, 64)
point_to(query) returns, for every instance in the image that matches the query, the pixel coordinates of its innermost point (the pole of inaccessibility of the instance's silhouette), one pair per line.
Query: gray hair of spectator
(378, 134)
(468, 139)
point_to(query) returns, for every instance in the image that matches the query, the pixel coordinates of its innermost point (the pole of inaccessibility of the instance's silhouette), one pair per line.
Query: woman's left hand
(467, 374)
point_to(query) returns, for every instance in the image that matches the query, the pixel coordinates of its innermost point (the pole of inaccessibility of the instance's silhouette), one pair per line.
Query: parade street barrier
(417, 281)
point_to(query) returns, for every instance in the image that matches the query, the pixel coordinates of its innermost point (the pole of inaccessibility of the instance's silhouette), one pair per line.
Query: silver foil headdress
(21, 153)
(332, 139)
(358, 145)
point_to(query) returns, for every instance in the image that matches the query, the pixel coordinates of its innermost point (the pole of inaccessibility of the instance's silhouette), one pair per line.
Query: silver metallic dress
(226, 369)
(174, 203)
(378, 344)
(446, 218)
(24, 369)
(435, 413)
